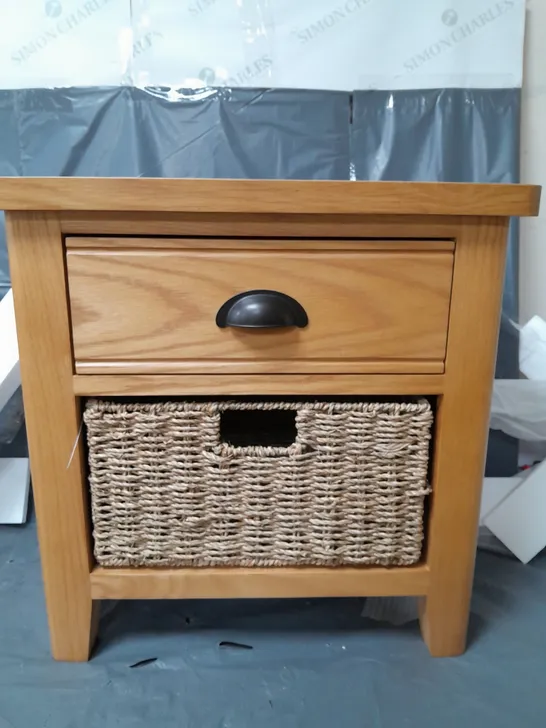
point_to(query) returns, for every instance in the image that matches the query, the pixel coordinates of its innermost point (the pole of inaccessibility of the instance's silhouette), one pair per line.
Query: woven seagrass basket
(342, 483)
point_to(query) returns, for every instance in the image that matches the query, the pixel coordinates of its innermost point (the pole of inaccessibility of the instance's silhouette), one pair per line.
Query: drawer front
(146, 310)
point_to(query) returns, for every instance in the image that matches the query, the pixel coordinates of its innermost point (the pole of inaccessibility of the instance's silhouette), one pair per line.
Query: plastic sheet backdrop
(235, 133)
(201, 116)
(449, 135)
(313, 44)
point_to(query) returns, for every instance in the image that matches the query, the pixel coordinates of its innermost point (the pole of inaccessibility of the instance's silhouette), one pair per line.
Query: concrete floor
(312, 663)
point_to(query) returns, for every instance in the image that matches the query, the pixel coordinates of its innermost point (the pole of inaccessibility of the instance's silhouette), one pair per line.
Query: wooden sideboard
(116, 285)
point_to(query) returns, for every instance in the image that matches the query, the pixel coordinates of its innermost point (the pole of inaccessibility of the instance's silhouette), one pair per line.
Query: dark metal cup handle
(261, 310)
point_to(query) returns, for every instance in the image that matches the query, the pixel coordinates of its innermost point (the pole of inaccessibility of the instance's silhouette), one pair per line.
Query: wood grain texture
(52, 417)
(268, 366)
(461, 432)
(149, 306)
(241, 583)
(162, 305)
(257, 244)
(266, 196)
(267, 225)
(163, 385)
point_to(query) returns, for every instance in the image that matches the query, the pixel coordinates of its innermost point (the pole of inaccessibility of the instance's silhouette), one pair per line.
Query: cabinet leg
(53, 422)
(443, 626)
(460, 438)
(72, 639)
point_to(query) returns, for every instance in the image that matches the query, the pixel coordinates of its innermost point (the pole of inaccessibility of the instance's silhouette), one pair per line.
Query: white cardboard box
(14, 490)
(519, 519)
(10, 378)
(14, 472)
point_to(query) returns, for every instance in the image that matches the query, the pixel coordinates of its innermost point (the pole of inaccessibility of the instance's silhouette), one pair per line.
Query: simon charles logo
(450, 17)
(53, 9)
(61, 25)
(241, 78)
(329, 20)
(461, 31)
(199, 6)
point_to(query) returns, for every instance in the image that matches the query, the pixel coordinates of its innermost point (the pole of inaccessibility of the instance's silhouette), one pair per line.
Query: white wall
(533, 163)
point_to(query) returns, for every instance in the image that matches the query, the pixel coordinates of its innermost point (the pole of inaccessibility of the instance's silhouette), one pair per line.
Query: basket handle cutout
(265, 428)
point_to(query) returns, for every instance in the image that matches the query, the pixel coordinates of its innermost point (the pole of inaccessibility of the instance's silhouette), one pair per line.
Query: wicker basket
(168, 490)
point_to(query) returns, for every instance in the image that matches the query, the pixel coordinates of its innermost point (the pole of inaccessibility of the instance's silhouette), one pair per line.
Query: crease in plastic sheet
(168, 132)
(446, 135)
(10, 166)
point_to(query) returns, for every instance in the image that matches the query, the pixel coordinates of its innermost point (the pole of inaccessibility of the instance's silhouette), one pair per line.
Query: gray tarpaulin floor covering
(313, 663)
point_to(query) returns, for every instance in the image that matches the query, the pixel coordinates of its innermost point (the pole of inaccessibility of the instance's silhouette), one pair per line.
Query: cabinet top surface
(109, 194)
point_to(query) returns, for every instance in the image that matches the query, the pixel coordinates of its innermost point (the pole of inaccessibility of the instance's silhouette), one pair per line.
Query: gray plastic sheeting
(128, 132)
(449, 135)
(313, 663)
(445, 136)
(9, 166)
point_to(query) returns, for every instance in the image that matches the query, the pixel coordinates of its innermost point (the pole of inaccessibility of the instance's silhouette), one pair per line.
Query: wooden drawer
(150, 306)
